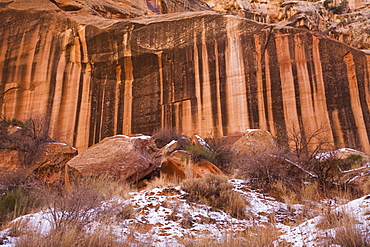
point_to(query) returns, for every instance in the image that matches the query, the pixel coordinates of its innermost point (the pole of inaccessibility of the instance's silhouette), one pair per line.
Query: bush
(351, 162)
(223, 153)
(217, 192)
(17, 202)
(77, 205)
(340, 9)
(28, 138)
(199, 152)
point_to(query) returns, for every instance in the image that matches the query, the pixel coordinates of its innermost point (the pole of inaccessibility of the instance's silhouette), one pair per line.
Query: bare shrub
(265, 171)
(165, 135)
(305, 145)
(79, 205)
(28, 137)
(217, 192)
(223, 153)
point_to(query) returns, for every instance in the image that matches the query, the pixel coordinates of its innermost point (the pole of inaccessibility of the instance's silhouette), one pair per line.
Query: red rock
(48, 166)
(94, 75)
(179, 164)
(119, 157)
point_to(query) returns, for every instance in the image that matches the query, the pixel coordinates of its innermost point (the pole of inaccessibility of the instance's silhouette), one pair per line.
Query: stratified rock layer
(201, 72)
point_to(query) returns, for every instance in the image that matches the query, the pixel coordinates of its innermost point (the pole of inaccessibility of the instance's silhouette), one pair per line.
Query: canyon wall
(201, 72)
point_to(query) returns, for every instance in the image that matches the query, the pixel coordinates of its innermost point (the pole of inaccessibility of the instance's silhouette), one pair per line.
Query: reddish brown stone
(179, 164)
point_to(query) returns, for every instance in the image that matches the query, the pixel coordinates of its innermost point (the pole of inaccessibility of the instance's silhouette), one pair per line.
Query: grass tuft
(217, 192)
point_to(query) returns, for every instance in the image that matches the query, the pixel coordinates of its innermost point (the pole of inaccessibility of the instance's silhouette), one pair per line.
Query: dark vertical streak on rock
(296, 84)
(121, 100)
(145, 93)
(222, 73)
(360, 64)
(5, 75)
(52, 74)
(107, 123)
(251, 79)
(337, 91)
(212, 78)
(97, 98)
(79, 99)
(37, 51)
(276, 91)
(167, 87)
(200, 64)
(310, 66)
(264, 79)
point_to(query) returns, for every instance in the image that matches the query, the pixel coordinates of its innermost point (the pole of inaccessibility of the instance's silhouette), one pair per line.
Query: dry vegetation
(217, 192)
(74, 209)
(252, 237)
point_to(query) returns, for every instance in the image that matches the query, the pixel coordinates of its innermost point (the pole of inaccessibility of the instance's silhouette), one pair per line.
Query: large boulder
(119, 157)
(255, 141)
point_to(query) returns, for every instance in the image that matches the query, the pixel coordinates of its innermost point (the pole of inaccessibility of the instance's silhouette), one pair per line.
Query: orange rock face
(202, 72)
(178, 165)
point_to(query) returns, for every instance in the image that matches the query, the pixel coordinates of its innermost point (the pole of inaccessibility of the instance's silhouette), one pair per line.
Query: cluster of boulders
(137, 159)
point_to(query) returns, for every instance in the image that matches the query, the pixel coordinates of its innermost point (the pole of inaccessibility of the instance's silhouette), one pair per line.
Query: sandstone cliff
(203, 72)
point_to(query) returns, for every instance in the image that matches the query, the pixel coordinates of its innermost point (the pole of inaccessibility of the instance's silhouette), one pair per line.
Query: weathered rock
(179, 164)
(353, 29)
(344, 158)
(119, 157)
(203, 72)
(48, 166)
(11, 167)
(360, 182)
(255, 141)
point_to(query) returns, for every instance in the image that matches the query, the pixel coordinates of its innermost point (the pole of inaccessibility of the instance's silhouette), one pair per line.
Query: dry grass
(68, 236)
(16, 202)
(217, 192)
(347, 230)
(252, 237)
(163, 181)
(333, 219)
(350, 235)
(72, 212)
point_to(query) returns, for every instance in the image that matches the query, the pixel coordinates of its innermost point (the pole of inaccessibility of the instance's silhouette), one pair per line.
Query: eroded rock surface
(179, 165)
(48, 166)
(255, 141)
(119, 157)
(203, 72)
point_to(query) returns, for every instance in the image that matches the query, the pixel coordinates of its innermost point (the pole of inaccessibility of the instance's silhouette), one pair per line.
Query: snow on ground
(310, 234)
(167, 216)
